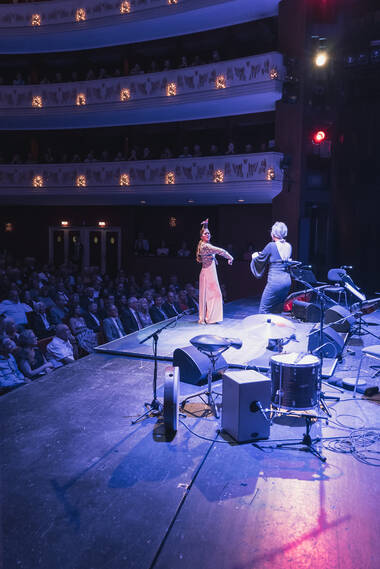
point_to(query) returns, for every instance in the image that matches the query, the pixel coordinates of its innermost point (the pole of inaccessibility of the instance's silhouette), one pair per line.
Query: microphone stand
(155, 407)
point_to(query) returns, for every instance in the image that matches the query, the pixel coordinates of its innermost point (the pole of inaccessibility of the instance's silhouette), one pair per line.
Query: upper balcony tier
(69, 25)
(248, 178)
(235, 87)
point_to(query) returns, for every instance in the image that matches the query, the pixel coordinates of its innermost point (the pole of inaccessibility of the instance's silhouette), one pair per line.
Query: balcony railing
(151, 94)
(251, 178)
(70, 24)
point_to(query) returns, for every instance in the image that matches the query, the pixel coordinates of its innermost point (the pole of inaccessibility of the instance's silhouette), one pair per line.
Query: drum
(295, 380)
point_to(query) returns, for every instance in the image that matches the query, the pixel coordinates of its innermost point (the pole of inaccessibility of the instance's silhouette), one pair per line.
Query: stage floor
(83, 488)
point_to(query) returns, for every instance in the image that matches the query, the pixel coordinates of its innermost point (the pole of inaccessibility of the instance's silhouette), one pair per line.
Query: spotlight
(321, 59)
(102, 223)
(319, 136)
(65, 223)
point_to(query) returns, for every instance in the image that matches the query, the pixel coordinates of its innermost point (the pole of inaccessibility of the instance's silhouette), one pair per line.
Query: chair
(372, 352)
(336, 292)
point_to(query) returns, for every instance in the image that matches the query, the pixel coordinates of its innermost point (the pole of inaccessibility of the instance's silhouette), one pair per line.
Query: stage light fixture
(321, 58)
(102, 224)
(65, 223)
(319, 136)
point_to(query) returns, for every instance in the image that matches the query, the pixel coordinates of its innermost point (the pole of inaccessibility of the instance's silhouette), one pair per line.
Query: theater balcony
(67, 25)
(232, 179)
(246, 85)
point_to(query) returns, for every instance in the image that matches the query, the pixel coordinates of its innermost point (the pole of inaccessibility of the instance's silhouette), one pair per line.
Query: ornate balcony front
(243, 178)
(239, 86)
(69, 25)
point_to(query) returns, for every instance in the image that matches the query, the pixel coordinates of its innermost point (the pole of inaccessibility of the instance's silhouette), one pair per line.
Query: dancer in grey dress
(275, 255)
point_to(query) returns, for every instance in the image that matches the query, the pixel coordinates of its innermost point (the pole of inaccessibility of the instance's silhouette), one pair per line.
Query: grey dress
(279, 281)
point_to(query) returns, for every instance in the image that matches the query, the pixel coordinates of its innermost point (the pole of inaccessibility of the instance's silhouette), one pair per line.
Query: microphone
(347, 267)
(256, 406)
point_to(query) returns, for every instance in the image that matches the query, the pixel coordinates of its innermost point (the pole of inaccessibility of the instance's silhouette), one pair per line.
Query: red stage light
(319, 136)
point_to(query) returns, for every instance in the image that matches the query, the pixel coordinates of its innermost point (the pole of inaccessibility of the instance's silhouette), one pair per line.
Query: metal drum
(295, 380)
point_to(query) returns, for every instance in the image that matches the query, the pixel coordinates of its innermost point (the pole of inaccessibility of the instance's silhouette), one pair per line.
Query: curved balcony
(243, 178)
(238, 86)
(70, 25)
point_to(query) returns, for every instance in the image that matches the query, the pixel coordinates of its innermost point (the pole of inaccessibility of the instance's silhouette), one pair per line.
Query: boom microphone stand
(155, 407)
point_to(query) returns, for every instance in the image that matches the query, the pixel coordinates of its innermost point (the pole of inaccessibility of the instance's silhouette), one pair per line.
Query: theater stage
(83, 488)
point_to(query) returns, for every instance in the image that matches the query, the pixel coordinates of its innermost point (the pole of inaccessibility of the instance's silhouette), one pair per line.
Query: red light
(319, 136)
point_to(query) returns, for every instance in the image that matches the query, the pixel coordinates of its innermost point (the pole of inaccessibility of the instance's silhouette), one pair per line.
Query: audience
(66, 312)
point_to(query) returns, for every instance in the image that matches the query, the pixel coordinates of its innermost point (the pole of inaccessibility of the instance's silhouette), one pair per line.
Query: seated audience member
(88, 297)
(10, 329)
(31, 360)
(143, 312)
(147, 155)
(192, 297)
(230, 148)
(162, 250)
(182, 300)
(59, 312)
(148, 294)
(13, 308)
(112, 326)
(170, 306)
(156, 312)
(141, 246)
(92, 317)
(39, 321)
(129, 316)
(215, 57)
(197, 151)
(10, 375)
(184, 251)
(86, 338)
(157, 283)
(214, 150)
(173, 282)
(248, 149)
(185, 153)
(60, 350)
(183, 63)
(45, 298)
(166, 153)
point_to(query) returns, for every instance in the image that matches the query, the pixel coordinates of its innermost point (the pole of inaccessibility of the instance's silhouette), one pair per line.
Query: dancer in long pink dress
(210, 296)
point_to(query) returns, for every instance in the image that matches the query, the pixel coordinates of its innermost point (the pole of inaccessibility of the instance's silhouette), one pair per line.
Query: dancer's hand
(230, 261)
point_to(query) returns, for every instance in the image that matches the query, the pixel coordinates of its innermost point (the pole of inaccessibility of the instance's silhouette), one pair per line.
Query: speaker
(334, 342)
(246, 396)
(338, 312)
(194, 366)
(306, 311)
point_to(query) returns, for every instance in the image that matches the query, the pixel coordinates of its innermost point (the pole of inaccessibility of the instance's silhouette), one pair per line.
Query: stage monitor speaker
(306, 311)
(246, 396)
(338, 312)
(194, 366)
(334, 343)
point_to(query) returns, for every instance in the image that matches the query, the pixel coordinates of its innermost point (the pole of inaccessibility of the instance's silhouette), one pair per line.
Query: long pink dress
(210, 296)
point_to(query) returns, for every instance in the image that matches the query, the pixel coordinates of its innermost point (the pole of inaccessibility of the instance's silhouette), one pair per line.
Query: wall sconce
(170, 178)
(65, 223)
(172, 222)
(125, 94)
(37, 102)
(8, 226)
(124, 180)
(270, 174)
(171, 89)
(273, 73)
(218, 176)
(35, 20)
(102, 224)
(81, 99)
(125, 7)
(38, 182)
(220, 82)
(80, 15)
(171, 2)
(81, 181)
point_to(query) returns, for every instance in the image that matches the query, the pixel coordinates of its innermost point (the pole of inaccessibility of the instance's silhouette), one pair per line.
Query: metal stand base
(154, 408)
(208, 392)
(307, 442)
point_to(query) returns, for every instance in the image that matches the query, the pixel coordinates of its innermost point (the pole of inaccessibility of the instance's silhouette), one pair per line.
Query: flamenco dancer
(275, 255)
(210, 296)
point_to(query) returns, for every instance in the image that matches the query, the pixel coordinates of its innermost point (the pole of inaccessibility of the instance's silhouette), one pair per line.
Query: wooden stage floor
(83, 488)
